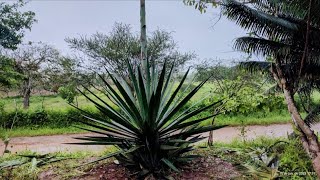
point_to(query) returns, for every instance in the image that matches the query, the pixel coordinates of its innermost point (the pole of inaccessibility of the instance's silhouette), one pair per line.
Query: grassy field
(51, 102)
(55, 102)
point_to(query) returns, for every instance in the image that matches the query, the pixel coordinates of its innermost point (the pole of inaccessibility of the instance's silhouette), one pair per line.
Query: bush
(68, 93)
(296, 161)
(42, 118)
(270, 157)
(249, 99)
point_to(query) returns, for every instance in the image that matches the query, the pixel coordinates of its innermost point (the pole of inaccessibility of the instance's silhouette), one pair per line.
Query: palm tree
(288, 31)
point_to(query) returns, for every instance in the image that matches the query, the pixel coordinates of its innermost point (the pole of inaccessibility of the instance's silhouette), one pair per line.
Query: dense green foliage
(9, 76)
(68, 93)
(249, 100)
(41, 118)
(247, 94)
(13, 23)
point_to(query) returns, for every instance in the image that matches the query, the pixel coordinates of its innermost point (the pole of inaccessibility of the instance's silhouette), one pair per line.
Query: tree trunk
(309, 139)
(26, 93)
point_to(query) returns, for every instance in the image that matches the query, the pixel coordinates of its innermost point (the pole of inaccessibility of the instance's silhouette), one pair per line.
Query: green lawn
(55, 102)
(52, 102)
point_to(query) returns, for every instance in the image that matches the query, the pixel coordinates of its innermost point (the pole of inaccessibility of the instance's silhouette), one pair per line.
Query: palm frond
(255, 66)
(313, 117)
(261, 46)
(258, 21)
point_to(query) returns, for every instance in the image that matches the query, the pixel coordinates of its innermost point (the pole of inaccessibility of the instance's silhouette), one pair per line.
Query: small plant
(5, 134)
(5, 138)
(151, 130)
(243, 131)
(25, 165)
(68, 93)
(276, 160)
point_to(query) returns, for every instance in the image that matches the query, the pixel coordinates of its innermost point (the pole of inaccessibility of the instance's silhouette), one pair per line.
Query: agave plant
(34, 160)
(149, 122)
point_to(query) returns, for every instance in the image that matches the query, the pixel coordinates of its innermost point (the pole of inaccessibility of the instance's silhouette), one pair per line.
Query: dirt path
(48, 144)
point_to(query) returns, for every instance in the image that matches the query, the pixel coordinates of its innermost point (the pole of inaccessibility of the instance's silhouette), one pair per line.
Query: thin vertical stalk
(143, 32)
(143, 41)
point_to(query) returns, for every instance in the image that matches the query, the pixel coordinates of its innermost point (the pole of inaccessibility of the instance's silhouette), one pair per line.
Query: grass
(52, 102)
(55, 102)
(279, 117)
(70, 166)
(237, 143)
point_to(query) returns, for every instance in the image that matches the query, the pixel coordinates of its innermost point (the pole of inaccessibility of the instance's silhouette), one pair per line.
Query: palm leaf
(258, 21)
(255, 66)
(261, 46)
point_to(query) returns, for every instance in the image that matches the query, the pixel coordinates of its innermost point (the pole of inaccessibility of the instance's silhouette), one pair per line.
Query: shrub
(42, 118)
(249, 99)
(68, 93)
(296, 161)
(149, 129)
(266, 158)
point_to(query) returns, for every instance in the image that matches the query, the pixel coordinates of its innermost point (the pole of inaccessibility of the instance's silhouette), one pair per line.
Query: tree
(30, 61)
(64, 71)
(9, 77)
(288, 32)
(13, 23)
(121, 44)
(12, 27)
(202, 5)
(216, 69)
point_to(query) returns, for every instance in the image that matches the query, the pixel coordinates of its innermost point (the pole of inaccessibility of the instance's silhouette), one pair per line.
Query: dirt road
(48, 144)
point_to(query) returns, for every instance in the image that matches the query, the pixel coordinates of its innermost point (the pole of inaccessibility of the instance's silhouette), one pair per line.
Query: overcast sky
(193, 31)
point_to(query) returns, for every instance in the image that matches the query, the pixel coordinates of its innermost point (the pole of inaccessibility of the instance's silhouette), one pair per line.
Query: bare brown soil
(199, 169)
